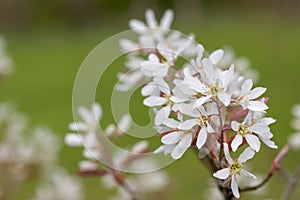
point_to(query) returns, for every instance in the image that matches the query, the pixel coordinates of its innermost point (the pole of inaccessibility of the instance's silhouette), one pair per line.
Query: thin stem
(292, 179)
(266, 179)
(130, 191)
(221, 129)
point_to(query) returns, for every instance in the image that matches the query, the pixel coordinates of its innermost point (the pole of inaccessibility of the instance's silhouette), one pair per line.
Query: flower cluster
(88, 135)
(22, 156)
(29, 154)
(199, 99)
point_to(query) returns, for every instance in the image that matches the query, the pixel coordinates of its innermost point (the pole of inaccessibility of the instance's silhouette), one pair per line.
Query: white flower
(90, 119)
(213, 83)
(294, 141)
(235, 168)
(152, 29)
(247, 96)
(252, 129)
(296, 121)
(59, 185)
(158, 66)
(167, 99)
(200, 118)
(176, 143)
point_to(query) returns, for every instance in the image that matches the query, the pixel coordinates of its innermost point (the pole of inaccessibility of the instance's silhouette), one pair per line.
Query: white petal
(246, 87)
(85, 114)
(88, 165)
(97, 110)
(140, 147)
(201, 101)
(188, 124)
(227, 154)
(225, 98)
(234, 187)
(128, 45)
(73, 139)
(138, 26)
(195, 84)
(124, 123)
(202, 136)
(182, 146)
(171, 138)
(210, 128)
(148, 89)
(257, 106)
(154, 69)
(222, 173)
(216, 56)
(268, 120)
(153, 58)
(150, 18)
(246, 173)
(259, 128)
(172, 123)
(167, 19)
(154, 101)
(210, 70)
(200, 49)
(78, 126)
(235, 125)
(256, 92)
(270, 143)
(247, 154)
(162, 85)
(236, 142)
(162, 115)
(253, 141)
(110, 130)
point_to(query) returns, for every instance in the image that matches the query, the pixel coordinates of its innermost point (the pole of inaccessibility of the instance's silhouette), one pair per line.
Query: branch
(274, 168)
(266, 179)
(292, 179)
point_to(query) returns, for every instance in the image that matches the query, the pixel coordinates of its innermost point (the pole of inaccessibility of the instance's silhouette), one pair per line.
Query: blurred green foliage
(47, 59)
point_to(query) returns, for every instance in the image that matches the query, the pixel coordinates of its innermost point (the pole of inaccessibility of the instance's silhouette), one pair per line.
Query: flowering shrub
(201, 101)
(28, 154)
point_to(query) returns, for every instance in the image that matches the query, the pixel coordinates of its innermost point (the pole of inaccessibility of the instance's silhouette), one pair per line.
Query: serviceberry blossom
(152, 30)
(235, 168)
(159, 44)
(200, 119)
(88, 131)
(252, 129)
(201, 100)
(131, 158)
(59, 185)
(159, 65)
(213, 84)
(247, 97)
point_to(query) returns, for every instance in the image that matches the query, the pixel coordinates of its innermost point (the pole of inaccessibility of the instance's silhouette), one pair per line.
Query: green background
(48, 53)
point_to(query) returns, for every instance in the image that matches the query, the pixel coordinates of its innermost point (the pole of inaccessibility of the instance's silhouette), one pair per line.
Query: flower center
(202, 120)
(214, 89)
(169, 101)
(242, 98)
(235, 167)
(243, 130)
